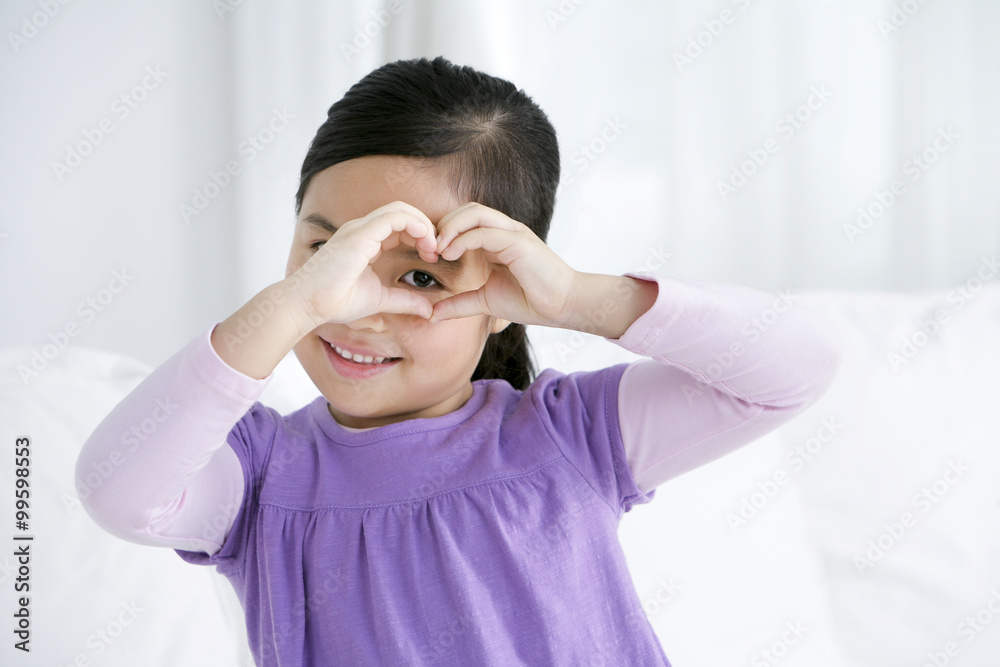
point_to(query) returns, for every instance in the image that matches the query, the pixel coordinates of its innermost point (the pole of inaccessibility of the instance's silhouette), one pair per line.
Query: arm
(728, 364)
(172, 481)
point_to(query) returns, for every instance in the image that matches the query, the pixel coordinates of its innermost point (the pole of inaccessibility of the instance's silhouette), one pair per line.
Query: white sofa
(866, 532)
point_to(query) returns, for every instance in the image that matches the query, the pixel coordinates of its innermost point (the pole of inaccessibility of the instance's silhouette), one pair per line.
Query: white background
(680, 127)
(684, 127)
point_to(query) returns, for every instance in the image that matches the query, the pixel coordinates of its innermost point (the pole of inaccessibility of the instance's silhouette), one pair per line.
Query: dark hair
(499, 148)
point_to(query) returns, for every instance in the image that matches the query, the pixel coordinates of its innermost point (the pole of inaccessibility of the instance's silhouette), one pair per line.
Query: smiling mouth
(359, 359)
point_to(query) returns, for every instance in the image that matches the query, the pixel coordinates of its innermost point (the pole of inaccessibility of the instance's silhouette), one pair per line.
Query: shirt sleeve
(727, 365)
(169, 480)
(579, 412)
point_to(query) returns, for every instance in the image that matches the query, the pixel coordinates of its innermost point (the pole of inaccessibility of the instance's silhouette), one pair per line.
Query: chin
(351, 411)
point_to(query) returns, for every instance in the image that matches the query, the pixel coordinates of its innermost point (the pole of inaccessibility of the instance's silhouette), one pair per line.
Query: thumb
(398, 300)
(465, 304)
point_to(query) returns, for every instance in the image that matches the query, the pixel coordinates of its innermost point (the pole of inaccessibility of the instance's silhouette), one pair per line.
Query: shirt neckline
(358, 437)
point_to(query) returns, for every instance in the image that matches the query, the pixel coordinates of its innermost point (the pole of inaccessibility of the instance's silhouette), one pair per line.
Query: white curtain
(727, 141)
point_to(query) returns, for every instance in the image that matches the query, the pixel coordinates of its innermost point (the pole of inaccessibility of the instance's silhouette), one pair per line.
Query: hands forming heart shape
(526, 281)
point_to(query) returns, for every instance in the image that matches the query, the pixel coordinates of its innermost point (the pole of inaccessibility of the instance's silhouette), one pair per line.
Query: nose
(373, 322)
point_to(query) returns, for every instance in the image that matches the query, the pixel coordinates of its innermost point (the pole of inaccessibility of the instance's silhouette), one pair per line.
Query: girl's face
(434, 374)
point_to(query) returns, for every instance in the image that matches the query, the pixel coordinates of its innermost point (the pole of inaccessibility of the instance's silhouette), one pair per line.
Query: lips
(363, 357)
(346, 367)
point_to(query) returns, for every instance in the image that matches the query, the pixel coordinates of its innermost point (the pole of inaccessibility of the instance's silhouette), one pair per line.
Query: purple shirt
(484, 536)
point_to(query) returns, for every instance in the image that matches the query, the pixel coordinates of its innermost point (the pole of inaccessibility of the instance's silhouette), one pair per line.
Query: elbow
(87, 480)
(826, 355)
(97, 501)
(811, 361)
(102, 494)
(118, 517)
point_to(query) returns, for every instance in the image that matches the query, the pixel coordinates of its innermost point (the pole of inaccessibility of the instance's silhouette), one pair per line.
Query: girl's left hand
(528, 283)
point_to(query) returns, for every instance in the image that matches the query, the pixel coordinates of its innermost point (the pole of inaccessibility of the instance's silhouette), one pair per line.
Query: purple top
(484, 536)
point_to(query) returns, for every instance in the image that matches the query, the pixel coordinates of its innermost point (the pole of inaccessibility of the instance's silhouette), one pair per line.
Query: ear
(498, 325)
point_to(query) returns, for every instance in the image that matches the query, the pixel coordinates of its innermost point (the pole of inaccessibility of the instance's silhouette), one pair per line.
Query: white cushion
(927, 419)
(744, 586)
(95, 599)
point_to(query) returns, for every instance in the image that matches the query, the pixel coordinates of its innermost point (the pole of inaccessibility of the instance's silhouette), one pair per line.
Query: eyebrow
(317, 220)
(449, 267)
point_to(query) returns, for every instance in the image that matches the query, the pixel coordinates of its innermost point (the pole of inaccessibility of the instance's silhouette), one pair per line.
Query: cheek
(448, 343)
(296, 258)
(292, 265)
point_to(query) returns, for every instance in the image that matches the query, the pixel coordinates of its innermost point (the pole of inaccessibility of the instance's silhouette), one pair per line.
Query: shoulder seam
(407, 501)
(555, 441)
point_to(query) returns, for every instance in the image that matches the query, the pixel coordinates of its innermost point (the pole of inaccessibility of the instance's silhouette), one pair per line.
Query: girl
(439, 504)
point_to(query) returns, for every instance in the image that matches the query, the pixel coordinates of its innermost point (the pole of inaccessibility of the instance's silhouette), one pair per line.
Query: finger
(496, 241)
(389, 225)
(465, 304)
(427, 241)
(403, 301)
(454, 212)
(470, 216)
(412, 210)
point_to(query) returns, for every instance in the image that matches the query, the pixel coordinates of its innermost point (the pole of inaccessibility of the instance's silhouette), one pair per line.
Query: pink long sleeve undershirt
(726, 365)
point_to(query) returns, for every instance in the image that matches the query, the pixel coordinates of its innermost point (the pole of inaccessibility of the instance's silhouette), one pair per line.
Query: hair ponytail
(506, 356)
(498, 145)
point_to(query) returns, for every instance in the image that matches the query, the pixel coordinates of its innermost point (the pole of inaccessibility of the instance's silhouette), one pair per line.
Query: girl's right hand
(338, 284)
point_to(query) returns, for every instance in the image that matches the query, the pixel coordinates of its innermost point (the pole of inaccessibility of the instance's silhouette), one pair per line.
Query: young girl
(438, 504)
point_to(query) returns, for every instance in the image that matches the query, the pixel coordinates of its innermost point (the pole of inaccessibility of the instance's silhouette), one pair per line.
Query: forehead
(353, 189)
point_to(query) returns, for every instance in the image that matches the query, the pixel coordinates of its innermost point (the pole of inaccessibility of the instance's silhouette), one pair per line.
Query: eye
(316, 245)
(422, 279)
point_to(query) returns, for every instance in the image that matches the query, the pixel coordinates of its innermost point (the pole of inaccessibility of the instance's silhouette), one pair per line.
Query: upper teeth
(357, 357)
